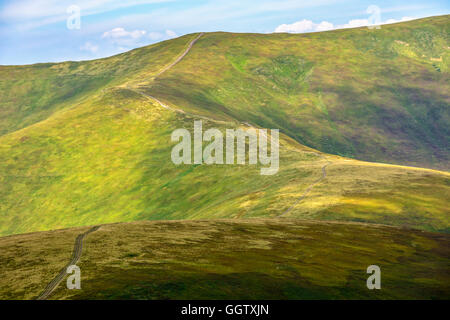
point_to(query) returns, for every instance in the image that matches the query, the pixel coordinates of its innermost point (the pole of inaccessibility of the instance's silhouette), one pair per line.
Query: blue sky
(38, 31)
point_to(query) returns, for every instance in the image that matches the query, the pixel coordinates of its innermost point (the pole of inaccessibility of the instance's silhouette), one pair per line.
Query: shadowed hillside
(230, 259)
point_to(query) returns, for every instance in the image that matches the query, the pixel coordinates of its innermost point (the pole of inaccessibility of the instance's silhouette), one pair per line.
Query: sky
(34, 31)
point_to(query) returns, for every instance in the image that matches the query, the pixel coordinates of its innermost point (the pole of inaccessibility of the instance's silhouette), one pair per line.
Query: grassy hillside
(371, 94)
(98, 151)
(31, 93)
(231, 259)
(108, 160)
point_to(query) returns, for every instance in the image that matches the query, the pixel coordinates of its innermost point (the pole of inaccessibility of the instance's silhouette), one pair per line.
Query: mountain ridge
(99, 152)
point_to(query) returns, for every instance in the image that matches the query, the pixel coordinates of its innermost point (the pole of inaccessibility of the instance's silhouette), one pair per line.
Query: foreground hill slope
(230, 259)
(103, 155)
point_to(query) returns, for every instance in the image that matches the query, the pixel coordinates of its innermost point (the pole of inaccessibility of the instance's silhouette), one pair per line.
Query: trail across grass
(76, 255)
(237, 259)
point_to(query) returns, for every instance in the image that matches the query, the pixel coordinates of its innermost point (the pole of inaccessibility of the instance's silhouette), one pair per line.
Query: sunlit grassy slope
(231, 259)
(81, 146)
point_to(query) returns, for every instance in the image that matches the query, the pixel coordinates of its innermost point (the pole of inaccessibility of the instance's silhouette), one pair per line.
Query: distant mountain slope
(377, 95)
(103, 154)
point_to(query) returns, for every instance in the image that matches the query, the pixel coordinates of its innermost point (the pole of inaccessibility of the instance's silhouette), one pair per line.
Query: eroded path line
(180, 57)
(76, 255)
(162, 104)
(165, 106)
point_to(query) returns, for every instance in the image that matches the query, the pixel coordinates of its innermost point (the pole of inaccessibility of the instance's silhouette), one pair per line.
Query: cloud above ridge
(305, 25)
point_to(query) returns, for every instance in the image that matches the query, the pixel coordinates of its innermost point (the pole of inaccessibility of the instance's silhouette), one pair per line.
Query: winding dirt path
(78, 247)
(165, 106)
(79, 240)
(306, 192)
(180, 57)
(76, 255)
(162, 104)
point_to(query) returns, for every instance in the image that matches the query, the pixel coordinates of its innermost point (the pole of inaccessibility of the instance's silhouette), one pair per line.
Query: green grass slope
(230, 259)
(103, 155)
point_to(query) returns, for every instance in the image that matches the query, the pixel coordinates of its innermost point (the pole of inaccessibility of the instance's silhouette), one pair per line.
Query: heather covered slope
(230, 259)
(103, 155)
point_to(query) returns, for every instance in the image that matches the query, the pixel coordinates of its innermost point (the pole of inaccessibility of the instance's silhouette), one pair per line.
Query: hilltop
(230, 259)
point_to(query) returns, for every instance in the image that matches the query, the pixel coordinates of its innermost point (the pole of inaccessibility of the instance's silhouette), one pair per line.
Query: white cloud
(395, 21)
(305, 26)
(171, 34)
(117, 33)
(122, 37)
(155, 36)
(309, 26)
(365, 22)
(388, 21)
(296, 27)
(355, 23)
(158, 36)
(324, 26)
(88, 46)
(168, 34)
